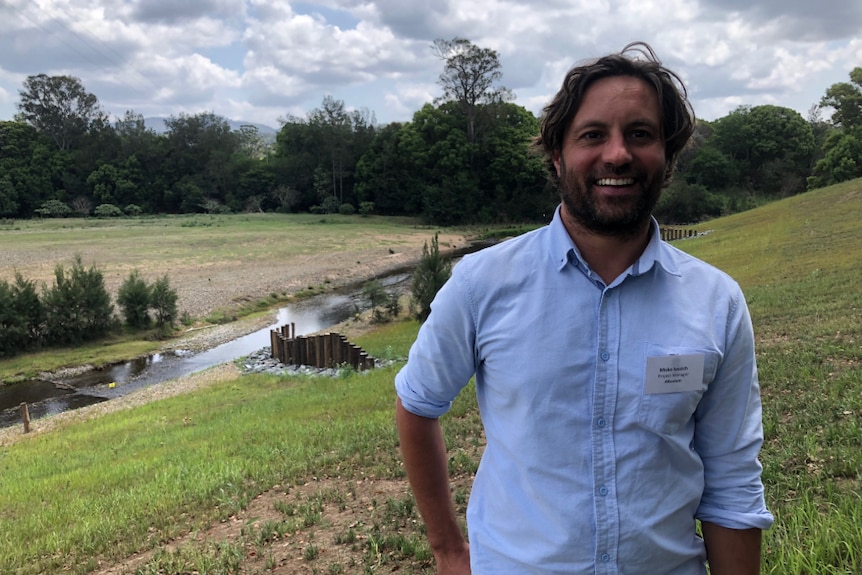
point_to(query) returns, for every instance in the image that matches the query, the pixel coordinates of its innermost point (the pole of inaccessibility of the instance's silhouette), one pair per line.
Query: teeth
(615, 181)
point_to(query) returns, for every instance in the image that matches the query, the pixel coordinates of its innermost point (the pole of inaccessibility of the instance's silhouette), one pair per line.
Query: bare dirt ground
(342, 538)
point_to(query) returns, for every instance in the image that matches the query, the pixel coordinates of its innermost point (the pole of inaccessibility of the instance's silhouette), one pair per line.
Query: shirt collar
(563, 250)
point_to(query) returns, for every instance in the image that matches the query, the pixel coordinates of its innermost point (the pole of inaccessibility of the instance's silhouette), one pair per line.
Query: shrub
(346, 209)
(29, 310)
(683, 203)
(393, 304)
(430, 275)
(107, 211)
(133, 210)
(12, 333)
(330, 205)
(375, 295)
(366, 209)
(317, 209)
(54, 209)
(133, 298)
(78, 307)
(163, 301)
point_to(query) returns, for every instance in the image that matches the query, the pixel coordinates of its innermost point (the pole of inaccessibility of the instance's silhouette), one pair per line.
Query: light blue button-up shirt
(584, 471)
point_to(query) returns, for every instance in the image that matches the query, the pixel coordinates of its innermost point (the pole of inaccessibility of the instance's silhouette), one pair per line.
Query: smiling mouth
(615, 182)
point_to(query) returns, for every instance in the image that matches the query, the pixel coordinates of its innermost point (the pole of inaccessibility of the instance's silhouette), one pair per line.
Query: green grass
(133, 479)
(166, 466)
(799, 262)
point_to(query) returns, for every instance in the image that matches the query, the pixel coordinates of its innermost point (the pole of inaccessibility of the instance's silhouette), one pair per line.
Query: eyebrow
(641, 122)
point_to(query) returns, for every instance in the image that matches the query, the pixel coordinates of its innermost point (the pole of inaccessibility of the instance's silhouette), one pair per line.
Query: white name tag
(673, 373)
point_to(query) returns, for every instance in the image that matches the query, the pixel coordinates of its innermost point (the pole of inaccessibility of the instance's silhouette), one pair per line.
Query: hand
(454, 562)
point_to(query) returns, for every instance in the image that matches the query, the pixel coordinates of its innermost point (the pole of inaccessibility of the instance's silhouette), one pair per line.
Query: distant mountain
(157, 124)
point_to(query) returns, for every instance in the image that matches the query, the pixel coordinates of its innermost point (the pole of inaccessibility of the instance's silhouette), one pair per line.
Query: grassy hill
(135, 480)
(799, 262)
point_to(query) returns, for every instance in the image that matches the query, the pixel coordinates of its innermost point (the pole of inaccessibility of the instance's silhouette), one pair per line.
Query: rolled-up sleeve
(443, 357)
(729, 433)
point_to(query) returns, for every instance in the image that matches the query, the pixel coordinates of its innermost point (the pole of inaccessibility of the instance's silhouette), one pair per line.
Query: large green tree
(513, 183)
(142, 152)
(316, 156)
(441, 154)
(770, 146)
(60, 107)
(842, 147)
(470, 77)
(28, 168)
(388, 175)
(845, 98)
(199, 150)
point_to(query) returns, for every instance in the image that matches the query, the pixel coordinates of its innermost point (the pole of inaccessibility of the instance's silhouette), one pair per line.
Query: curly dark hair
(637, 60)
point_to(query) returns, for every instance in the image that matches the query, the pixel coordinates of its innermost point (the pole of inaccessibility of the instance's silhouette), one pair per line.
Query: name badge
(673, 373)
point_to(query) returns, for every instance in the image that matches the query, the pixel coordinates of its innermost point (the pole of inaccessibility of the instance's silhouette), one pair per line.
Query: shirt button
(605, 557)
(603, 490)
(605, 356)
(601, 422)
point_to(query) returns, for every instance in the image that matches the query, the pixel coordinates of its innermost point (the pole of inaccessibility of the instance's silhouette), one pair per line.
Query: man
(615, 374)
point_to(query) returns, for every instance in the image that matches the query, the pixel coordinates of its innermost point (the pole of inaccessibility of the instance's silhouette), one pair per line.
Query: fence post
(25, 416)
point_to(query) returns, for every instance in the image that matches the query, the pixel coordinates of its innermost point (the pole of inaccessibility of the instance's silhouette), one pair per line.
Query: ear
(557, 161)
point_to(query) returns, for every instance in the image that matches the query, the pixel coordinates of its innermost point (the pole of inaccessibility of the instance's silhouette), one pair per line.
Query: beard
(622, 217)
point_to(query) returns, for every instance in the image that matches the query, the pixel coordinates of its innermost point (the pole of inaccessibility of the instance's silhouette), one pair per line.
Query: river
(50, 397)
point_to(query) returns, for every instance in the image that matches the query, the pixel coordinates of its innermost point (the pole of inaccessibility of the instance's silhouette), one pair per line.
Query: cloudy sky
(261, 60)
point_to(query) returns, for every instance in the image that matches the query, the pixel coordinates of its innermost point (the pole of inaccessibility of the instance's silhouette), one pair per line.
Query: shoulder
(694, 269)
(506, 261)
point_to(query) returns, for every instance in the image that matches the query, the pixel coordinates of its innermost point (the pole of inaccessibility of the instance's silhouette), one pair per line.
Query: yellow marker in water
(112, 385)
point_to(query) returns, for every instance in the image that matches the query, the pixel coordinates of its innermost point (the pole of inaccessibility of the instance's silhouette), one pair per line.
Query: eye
(591, 135)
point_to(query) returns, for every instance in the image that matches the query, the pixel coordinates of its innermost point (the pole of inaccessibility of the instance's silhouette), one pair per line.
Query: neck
(607, 255)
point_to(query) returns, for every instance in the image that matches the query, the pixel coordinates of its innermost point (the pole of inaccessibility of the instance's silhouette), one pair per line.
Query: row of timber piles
(328, 350)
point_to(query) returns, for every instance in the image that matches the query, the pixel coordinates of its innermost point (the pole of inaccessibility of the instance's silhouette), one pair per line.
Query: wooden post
(25, 416)
(335, 349)
(319, 360)
(309, 352)
(327, 350)
(290, 352)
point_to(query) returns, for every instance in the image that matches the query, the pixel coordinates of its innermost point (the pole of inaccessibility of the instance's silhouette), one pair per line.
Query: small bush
(77, 307)
(133, 298)
(330, 205)
(374, 293)
(133, 210)
(430, 275)
(54, 209)
(366, 209)
(163, 301)
(346, 209)
(317, 210)
(12, 332)
(107, 211)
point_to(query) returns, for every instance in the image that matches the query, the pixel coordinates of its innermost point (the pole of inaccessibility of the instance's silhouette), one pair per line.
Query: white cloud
(266, 58)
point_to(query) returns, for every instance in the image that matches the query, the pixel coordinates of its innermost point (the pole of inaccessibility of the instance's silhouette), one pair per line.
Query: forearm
(732, 551)
(424, 454)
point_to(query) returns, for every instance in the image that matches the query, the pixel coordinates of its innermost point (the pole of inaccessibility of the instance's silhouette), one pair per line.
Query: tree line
(465, 158)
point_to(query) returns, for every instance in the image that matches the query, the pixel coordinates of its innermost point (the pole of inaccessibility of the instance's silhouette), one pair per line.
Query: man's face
(612, 162)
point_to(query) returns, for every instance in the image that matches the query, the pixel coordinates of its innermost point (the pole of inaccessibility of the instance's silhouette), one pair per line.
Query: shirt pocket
(667, 413)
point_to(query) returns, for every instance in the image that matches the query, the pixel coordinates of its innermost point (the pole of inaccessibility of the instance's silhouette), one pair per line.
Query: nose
(616, 151)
